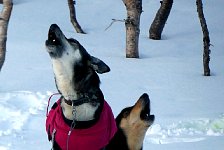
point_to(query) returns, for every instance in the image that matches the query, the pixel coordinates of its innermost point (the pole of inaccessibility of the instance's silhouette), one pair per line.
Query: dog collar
(85, 98)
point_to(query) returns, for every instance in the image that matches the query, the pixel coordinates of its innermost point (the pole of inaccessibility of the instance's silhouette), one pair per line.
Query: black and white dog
(75, 75)
(82, 109)
(82, 102)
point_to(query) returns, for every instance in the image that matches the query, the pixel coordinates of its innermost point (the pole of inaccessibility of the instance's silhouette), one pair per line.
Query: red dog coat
(93, 138)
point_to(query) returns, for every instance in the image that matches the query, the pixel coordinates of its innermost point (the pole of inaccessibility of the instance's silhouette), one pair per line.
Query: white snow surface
(189, 107)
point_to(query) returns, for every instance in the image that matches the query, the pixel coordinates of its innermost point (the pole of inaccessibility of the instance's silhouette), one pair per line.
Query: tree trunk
(134, 10)
(4, 19)
(159, 21)
(206, 39)
(73, 17)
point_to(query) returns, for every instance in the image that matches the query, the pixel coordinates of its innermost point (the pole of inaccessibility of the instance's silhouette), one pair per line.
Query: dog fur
(75, 74)
(132, 124)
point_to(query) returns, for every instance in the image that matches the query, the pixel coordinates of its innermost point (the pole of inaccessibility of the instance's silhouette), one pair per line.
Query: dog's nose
(54, 32)
(53, 28)
(144, 96)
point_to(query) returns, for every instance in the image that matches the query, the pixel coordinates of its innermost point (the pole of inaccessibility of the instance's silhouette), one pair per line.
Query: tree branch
(113, 21)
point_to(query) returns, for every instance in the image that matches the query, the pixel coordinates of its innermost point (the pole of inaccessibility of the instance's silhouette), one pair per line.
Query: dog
(132, 124)
(82, 113)
(81, 119)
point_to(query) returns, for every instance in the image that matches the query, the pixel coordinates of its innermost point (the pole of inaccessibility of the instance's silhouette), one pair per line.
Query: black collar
(84, 98)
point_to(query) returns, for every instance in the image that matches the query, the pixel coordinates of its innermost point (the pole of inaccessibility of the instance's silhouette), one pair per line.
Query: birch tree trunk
(4, 20)
(73, 17)
(134, 10)
(206, 39)
(159, 21)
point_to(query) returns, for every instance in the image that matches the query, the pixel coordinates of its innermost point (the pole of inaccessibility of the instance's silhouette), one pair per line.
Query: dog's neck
(64, 78)
(83, 112)
(70, 85)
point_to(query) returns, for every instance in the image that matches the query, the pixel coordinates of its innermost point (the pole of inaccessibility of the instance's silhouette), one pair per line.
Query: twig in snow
(114, 20)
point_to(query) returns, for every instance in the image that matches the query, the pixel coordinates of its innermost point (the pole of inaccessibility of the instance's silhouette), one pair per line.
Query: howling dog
(132, 124)
(81, 119)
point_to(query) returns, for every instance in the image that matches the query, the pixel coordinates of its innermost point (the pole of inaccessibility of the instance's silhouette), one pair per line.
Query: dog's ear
(98, 65)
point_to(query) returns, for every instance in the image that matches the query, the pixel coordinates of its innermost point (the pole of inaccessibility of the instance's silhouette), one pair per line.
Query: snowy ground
(189, 107)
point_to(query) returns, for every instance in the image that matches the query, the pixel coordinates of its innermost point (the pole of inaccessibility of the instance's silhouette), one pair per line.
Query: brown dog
(132, 124)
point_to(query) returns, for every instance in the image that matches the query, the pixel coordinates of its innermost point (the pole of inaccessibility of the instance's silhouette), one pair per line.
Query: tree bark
(134, 10)
(73, 17)
(4, 20)
(160, 19)
(206, 39)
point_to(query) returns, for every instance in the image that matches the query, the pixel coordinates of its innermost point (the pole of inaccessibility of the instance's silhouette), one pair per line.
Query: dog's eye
(126, 114)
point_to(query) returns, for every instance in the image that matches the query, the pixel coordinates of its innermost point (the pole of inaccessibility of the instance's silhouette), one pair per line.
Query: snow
(188, 106)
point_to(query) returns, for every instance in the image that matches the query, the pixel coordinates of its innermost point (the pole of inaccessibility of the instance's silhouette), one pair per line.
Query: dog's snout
(54, 31)
(145, 96)
(55, 35)
(144, 99)
(54, 43)
(53, 27)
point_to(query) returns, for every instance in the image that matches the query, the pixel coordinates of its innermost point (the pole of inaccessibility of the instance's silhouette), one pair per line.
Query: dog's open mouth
(53, 40)
(145, 113)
